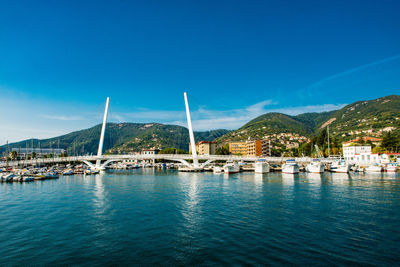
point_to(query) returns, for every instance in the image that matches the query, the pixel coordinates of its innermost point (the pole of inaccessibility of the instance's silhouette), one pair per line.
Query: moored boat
(290, 167)
(232, 167)
(340, 166)
(9, 177)
(68, 172)
(217, 169)
(374, 168)
(28, 179)
(391, 167)
(261, 167)
(315, 166)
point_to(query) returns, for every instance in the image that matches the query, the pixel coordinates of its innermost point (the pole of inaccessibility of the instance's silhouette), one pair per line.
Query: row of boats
(316, 166)
(32, 174)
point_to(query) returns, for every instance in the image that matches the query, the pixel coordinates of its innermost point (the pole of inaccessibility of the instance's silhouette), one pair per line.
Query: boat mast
(7, 151)
(329, 151)
(191, 135)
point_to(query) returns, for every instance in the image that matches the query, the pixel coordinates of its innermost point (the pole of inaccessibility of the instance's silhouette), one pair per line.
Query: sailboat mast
(7, 151)
(329, 151)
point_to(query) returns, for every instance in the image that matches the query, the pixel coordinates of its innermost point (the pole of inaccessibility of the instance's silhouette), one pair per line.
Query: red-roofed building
(373, 140)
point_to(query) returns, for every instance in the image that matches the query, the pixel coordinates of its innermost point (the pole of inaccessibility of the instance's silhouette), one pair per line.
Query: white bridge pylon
(191, 136)
(98, 166)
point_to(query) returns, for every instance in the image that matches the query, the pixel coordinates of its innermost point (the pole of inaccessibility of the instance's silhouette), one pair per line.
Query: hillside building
(150, 151)
(350, 152)
(373, 140)
(266, 147)
(254, 148)
(205, 148)
(237, 148)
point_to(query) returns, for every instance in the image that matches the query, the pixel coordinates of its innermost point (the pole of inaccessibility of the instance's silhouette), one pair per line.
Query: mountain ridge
(368, 117)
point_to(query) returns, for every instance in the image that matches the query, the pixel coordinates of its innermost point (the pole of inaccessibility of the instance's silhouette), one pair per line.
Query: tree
(224, 150)
(390, 142)
(378, 150)
(321, 138)
(14, 155)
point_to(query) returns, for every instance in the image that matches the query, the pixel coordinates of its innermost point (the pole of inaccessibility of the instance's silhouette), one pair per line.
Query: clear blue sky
(59, 60)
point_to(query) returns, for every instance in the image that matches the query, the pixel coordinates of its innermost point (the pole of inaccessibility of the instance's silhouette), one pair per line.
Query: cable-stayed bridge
(100, 161)
(104, 160)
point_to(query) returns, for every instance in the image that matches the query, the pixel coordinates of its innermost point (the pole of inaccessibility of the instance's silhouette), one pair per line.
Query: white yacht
(290, 167)
(340, 166)
(261, 167)
(315, 166)
(217, 169)
(374, 168)
(391, 167)
(232, 167)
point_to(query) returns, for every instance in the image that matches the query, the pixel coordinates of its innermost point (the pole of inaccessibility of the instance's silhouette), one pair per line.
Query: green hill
(121, 137)
(373, 118)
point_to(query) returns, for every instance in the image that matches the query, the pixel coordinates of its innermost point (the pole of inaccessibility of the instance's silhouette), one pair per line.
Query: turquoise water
(170, 218)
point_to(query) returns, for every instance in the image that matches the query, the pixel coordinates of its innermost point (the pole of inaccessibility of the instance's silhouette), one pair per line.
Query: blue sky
(59, 60)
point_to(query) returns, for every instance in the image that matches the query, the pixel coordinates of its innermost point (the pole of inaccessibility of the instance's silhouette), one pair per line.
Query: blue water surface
(151, 217)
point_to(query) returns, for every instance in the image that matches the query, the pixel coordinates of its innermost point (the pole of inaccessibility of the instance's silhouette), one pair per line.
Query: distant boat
(358, 168)
(68, 172)
(232, 167)
(391, 167)
(9, 177)
(261, 167)
(90, 172)
(28, 179)
(315, 166)
(374, 168)
(290, 167)
(217, 169)
(340, 166)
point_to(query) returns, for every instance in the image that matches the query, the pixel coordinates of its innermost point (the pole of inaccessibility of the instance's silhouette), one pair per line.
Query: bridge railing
(172, 157)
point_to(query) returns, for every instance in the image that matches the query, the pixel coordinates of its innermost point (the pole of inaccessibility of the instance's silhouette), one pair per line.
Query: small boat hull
(291, 168)
(261, 167)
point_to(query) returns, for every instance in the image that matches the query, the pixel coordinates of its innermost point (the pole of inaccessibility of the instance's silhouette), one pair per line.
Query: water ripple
(170, 218)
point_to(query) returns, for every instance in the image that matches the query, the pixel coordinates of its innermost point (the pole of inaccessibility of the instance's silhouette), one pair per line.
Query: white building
(367, 158)
(150, 151)
(350, 152)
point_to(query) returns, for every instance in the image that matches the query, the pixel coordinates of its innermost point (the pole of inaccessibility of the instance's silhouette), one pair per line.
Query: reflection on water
(152, 217)
(99, 192)
(289, 178)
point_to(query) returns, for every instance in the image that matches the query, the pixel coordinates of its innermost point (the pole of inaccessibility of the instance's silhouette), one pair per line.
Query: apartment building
(236, 148)
(254, 148)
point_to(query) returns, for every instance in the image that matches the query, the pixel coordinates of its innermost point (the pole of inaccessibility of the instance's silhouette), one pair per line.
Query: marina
(200, 133)
(30, 174)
